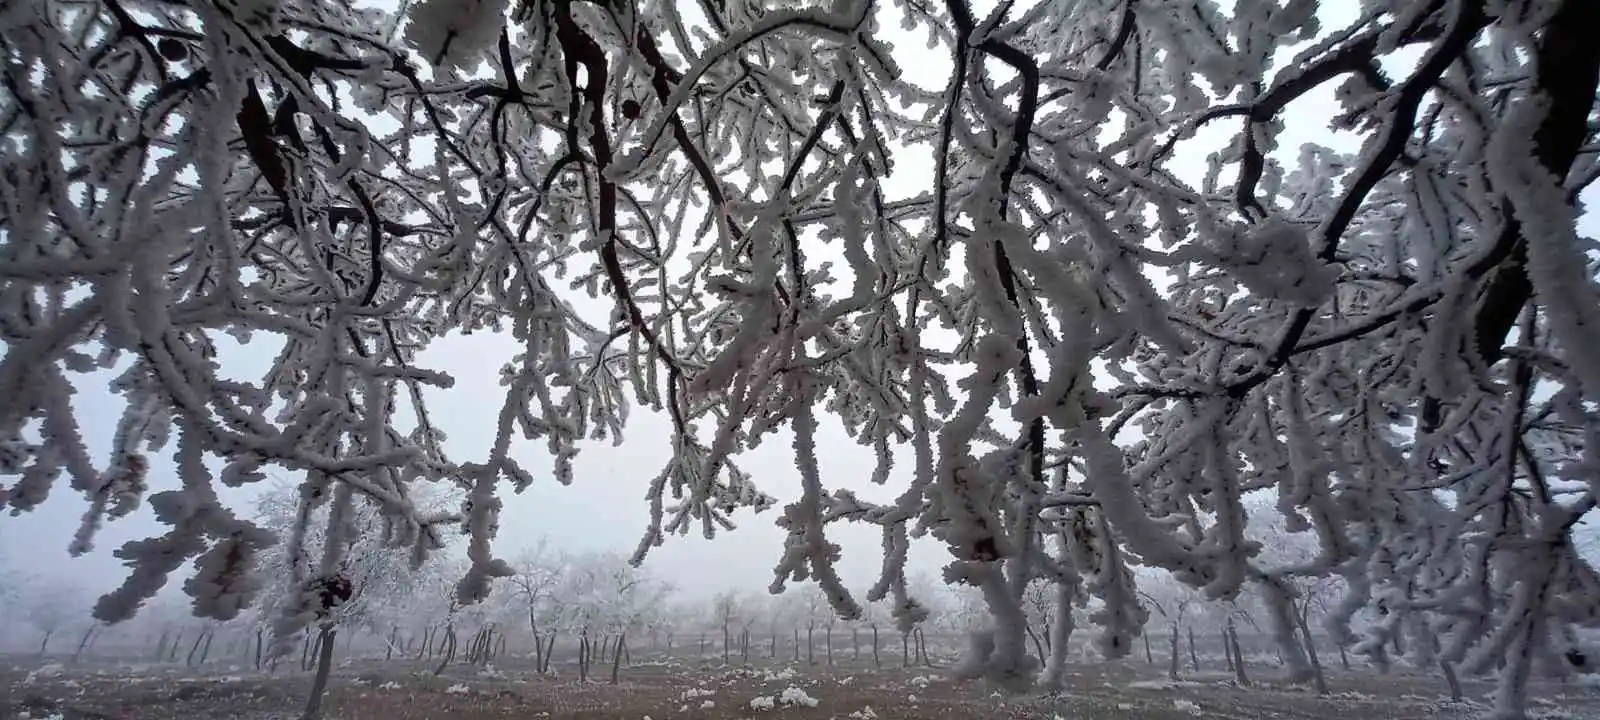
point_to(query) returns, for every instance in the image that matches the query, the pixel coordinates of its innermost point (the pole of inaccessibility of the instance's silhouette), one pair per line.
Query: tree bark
(1172, 659)
(1451, 680)
(876, 661)
(1319, 680)
(1038, 646)
(1194, 655)
(1238, 657)
(448, 652)
(319, 686)
(84, 642)
(616, 657)
(44, 645)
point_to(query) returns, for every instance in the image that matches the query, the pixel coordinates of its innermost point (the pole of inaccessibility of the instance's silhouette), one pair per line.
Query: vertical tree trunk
(876, 661)
(905, 649)
(1451, 680)
(549, 650)
(855, 642)
(616, 657)
(205, 650)
(1172, 659)
(260, 643)
(827, 636)
(811, 647)
(921, 639)
(1320, 681)
(583, 656)
(772, 646)
(1238, 657)
(84, 642)
(448, 650)
(161, 647)
(44, 645)
(1194, 655)
(1227, 649)
(1149, 659)
(1344, 659)
(796, 630)
(319, 685)
(172, 648)
(1038, 646)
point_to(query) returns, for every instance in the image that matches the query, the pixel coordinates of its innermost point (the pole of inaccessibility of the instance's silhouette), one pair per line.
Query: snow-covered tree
(1039, 256)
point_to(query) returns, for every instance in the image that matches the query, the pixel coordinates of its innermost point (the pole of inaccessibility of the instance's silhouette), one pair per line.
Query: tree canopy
(1074, 350)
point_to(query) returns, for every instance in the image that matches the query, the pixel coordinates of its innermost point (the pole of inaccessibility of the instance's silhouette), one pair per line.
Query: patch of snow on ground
(695, 692)
(762, 703)
(1158, 684)
(796, 696)
(922, 681)
(779, 676)
(457, 689)
(391, 685)
(1186, 706)
(45, 671)
(865, 713)
(707, 705)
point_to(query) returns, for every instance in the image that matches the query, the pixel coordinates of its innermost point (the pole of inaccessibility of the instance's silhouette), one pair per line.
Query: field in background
(666, 689)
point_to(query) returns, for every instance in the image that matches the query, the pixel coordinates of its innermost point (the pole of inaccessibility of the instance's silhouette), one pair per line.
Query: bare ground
(367, 690)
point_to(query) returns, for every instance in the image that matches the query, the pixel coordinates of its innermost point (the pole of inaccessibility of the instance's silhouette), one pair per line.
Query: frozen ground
(366, 690)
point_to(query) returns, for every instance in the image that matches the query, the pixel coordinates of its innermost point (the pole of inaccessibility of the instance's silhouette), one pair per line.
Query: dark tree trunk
(616, 657)
(1320, 681)
(447, 650)
(1238, 658)
(83, 643)
(1194, 655)
(1172, 659)
(1038, 647)
(319, 685)
(876, 661)
(1451, 680)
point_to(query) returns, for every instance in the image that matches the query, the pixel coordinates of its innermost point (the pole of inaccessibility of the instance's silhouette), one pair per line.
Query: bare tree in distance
(715, 213)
